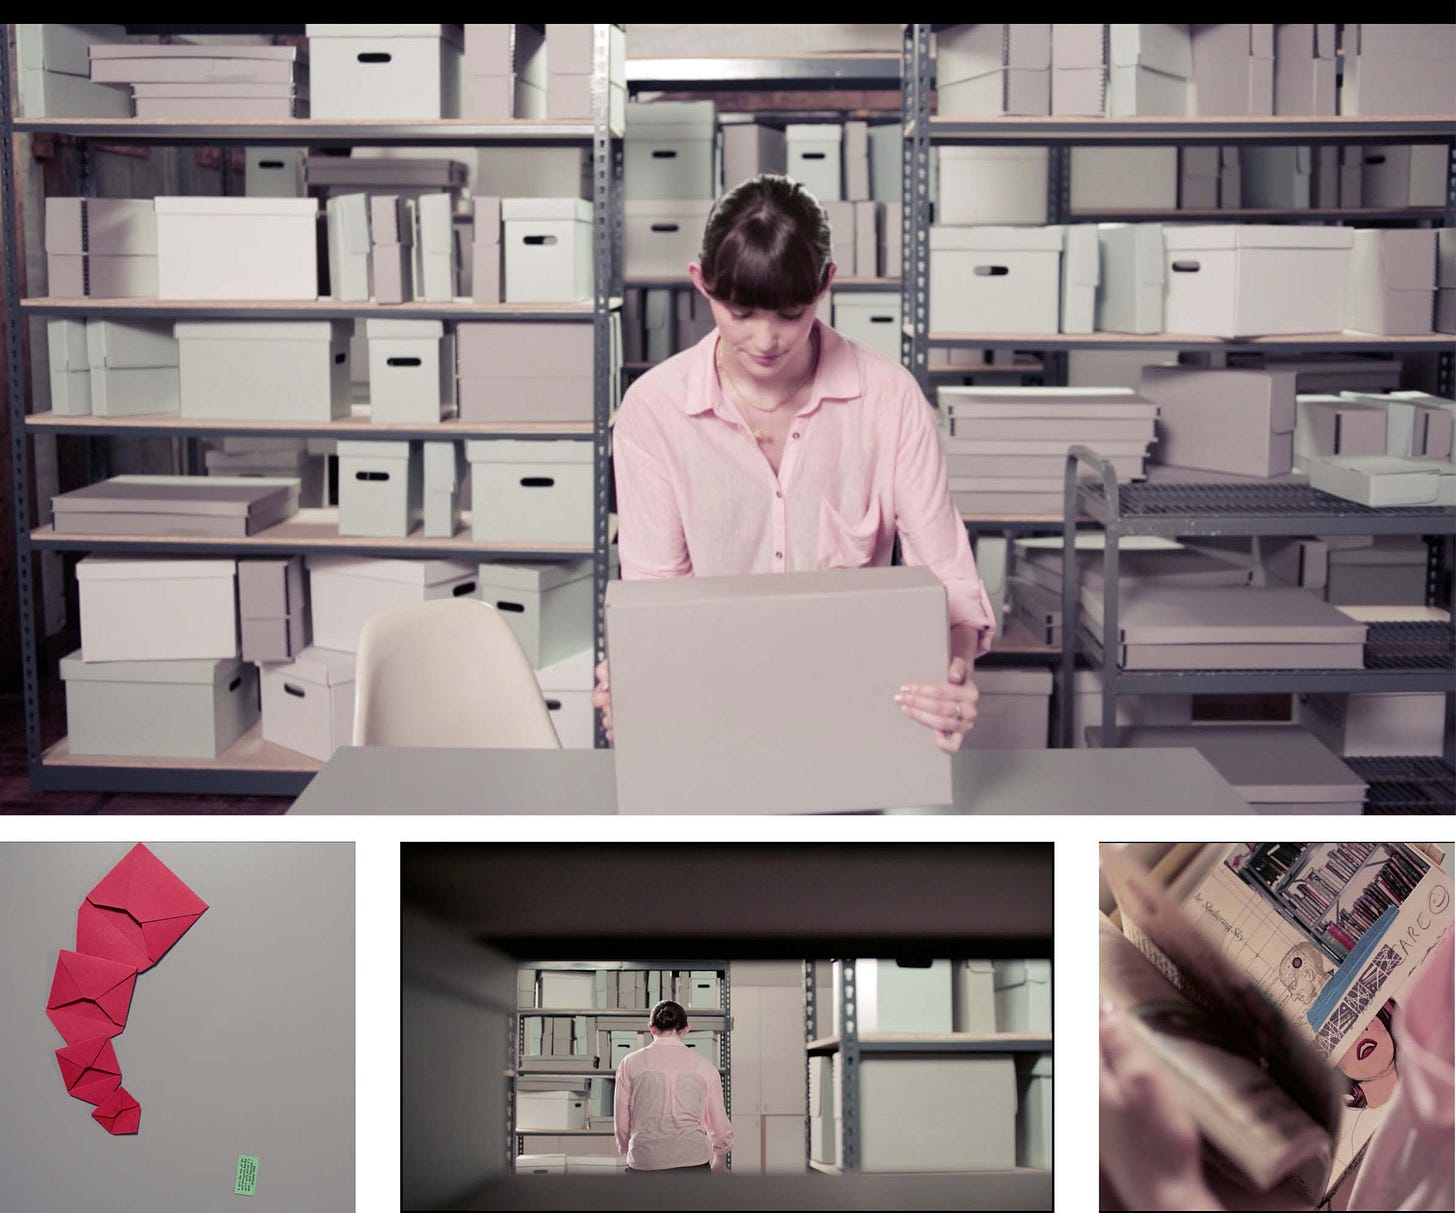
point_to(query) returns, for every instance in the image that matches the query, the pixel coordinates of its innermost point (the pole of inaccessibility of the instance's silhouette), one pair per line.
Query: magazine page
(1261, 1137)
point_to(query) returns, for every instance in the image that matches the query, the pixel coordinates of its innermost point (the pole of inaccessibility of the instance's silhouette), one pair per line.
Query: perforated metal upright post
(607, 156)
(1446, 359)
(916, 81)
(725, 1044)
(811, 1027)
(515, 1050)
(849, 1068)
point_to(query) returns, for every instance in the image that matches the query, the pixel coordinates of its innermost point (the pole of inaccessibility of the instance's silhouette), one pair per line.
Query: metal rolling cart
(252, 766)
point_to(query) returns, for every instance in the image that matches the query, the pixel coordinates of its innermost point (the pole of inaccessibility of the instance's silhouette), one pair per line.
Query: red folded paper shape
(119, 1113)
(138, 911)
(90, 1069)
(90, 996)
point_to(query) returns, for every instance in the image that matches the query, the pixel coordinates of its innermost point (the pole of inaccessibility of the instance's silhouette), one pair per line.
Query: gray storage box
(344, 591)
(134, 391)
(308, 703)
(161, 709)
(1023, 996)
(1034, 1113)
(548, 246)
(529, 371)
(265, 370)
(446, 475)
(531, 492)
(271, 608)
(943, 1114)
(660, 238)
(1223, 420)
(1013, 711)
(549, 606)
(381, 488)
(670, 150)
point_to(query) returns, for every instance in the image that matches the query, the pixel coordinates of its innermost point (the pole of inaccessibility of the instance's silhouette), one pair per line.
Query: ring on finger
(959, 718)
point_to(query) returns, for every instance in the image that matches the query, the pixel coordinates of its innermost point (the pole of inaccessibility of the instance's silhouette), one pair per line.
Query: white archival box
(162, 709)
(814, 153)
(345, 591)
(274, 172)
(350, 277)
(531, 492)
(1108, 178)
(308, 703)
(870, 317)
(381, 488)
(1081, 274)
(1360, 725)
(567, 689)
(129, 345)
(411, 370)
(992, 185)
(790, 727)
(895, 997)
(973, 996)
(1023, 996)
(670, 150)
(71, 393)
(149, 609)
(550, 1110)
(446, 475)
(1235, 281)
(130, 391)
(1376, 479)
(548, 605)
(920, 1114)
(1392, 281)
(1130, 289)
(995, 279)
(385, 71)
(237, 248)
(548, 244)
(661, 237)
(264, 370)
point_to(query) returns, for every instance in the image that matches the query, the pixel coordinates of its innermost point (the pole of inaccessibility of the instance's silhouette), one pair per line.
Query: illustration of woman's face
(1371, 1054)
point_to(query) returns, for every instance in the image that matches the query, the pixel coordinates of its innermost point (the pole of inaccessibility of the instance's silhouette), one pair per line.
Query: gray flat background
(240, 1040)
(537, 782)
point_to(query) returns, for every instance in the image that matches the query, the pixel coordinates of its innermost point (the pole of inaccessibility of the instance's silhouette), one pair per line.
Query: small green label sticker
(247, 1176)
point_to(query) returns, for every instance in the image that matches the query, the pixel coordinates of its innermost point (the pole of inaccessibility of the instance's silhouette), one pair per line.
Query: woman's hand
(1149, 1145)
(602, 698)
(949, 709)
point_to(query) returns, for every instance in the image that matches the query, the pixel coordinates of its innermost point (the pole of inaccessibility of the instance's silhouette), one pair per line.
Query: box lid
(1379, 465)
(412, 329)
(370, 448)
(1253, 235)
(411, 572)
(679, 119)
(261, 330)
(534, 575)
(68, 345)
(243, 207)
(130, 343)
(191, 50)
(213, 495)
(138, 568)
(814, 132)
(517, 450)
(205, 671)
(348, 216)
(1014, 239)
(516, 209)
(686, 210)
(455, 33)
(322, 667)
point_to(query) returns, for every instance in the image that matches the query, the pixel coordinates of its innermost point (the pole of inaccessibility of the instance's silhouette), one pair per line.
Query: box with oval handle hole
(531, 492)
(659, 237)
(411, 371)
(344, 591)
(385, 71)
(995, 279)
(148, 609)
(548, 250)
(264, 370)
(308, 703)
(670, 150)
(870, 317)
(158, 709)
(567, 688)
(381, 488)
(547, 603)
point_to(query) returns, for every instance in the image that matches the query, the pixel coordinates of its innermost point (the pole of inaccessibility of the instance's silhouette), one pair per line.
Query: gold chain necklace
(740, 398)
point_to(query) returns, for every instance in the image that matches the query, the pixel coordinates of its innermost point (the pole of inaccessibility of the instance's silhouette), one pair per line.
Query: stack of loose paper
(1006, 447)
(210, 81)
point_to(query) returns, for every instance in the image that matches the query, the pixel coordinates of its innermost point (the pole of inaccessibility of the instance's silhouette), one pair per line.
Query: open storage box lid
(213, 495)
(150, 568)
(534, 575)
(410, 572)
(203, 671)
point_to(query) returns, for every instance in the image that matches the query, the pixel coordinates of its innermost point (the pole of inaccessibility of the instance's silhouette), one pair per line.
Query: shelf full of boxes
(1235, 124)
(574, 1022)
(490, 337)
(887, 1088)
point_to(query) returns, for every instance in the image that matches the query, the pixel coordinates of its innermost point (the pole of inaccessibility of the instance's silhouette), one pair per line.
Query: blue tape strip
(1344, 977)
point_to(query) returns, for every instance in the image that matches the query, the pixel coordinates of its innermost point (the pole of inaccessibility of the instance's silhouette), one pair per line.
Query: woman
(668, 1108)
(776, 445)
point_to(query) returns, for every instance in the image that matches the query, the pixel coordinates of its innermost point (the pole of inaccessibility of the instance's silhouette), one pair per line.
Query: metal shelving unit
(721, 1019)
(251, 768)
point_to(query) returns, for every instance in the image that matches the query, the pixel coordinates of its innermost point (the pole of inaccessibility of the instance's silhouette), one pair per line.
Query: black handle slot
(404, 362)
(464, 589)
(339, 358)
(663, 154)
(1186, 267)
(540, 240)
(537, 482)
(375, 57)
(292, 688)
(813, 156)
(1375, 158)
(992, 271)
(882, 320)
(553, 705)
(515, 607)
(371, 475)
(665, 227)
(270, 164)
(235, 684)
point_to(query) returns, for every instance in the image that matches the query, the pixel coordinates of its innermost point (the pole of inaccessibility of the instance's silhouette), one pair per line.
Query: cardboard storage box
(567, 688)
(531, 492)
(750, 148)
(870, 317)
(1081, 273)
(1130, 285)
(551, 1110)
(1151, 70)
(162, 709)
(1376, 480)
(1304, 70)
(311, 471)
(133, 368)
(990, 69)
(385, 71)
(705, 993)
(548, 243)
(345, 591)
(1332, 425)
(1024, 996)
(237, 248)
(781, 754)
(919, 1115)
(445, 473)
(1392, 281)
(540, 1164)
(891, 996)
(1232, 281)
(70, 367)
(1034, 1112)
(992, 185)
(566, 989)
(113, 227)
(149, 609)
(350, 279)
(272, 609)
(1376, 724)
(411, 371)
(660, 238)
(264, 370)
(71, 393)
(1111, 178)
(1233, 70)
(308, 703)
(1398, 69)
(1400, 175)
(433, 257)
(995, 279)
(548, 605)
(381, 488)
(1013, 711)
(1079, 69)
(133, 392)
(233, 506)
(1226, 420)
(274, 172)
(815, 151)
(525, 371)
(670, 150)
(973, 996)
(570, 55)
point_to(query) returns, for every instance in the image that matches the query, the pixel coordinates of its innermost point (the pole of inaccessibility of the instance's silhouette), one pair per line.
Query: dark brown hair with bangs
(766, 245)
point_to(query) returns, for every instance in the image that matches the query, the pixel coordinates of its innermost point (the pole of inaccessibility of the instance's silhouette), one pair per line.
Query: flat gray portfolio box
(775, 693)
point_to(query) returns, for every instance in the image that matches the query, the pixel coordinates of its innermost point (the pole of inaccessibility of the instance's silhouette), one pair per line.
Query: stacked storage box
(208, 81)
(672, 178)
(750, 148)
(1229, 420)
(1392, 281)
(1121, 70)
(505, 72)
(1233, 70)
(264, 370)
(391, 259)
(406, 178)
(112, 368)
(233, 506)
(1275, 768)
(275, 457)
(486, 260)
(1375, 570)
(1417, 424)
(158, 672)
(237, 248)
(274, 616)
(1112, 178)
(992, 185)
(1446, 280)
(570, 53)
(70, 367)
(987, 70)
(1006, 448)
(106, 247)
(1304, 70)
(55, 71)
(816, 158)
(1398, 69)
(1335, 425)
(434, 260)
(344, 591)
(349, 247)
(446, 477)
(386, 71)
(1129, 293)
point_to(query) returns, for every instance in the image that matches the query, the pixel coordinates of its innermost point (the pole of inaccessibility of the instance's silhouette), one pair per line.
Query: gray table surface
(544, 782)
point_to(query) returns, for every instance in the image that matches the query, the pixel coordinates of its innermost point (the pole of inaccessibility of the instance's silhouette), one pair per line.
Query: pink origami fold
(90, 996)
(90, 1069)
(138, 911)
(119, 1113)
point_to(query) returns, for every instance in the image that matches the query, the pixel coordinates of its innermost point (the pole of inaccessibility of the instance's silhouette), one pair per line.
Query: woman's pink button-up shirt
(696, 496)
(668, 1108)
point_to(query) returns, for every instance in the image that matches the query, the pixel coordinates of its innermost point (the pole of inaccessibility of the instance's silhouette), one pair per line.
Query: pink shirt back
(696, 496)
(668, 1108)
